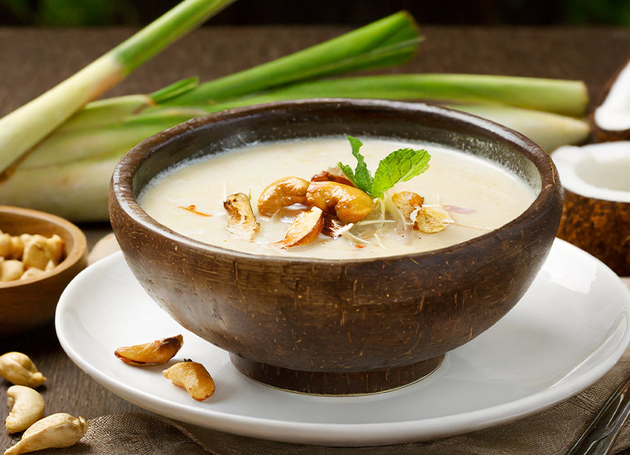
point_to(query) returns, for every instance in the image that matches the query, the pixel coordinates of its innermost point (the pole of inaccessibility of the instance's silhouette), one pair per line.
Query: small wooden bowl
(30, 303)
(336, 326)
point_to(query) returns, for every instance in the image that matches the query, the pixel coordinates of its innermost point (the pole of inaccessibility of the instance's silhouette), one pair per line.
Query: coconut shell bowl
(336, 327)
(30, 302)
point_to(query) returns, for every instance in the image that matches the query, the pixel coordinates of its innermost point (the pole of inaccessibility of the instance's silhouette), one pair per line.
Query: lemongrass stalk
(385, 42)
(76, 191)
(102, 112)
(26, 126)
(111, 138)
(550, 95)
(389, 41)
(549, 131)
(77, 188)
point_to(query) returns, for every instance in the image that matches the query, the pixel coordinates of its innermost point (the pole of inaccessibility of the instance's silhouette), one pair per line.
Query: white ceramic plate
(569, 329)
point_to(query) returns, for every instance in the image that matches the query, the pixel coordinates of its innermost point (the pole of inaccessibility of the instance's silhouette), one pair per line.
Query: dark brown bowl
(336, 326)
(29, 303)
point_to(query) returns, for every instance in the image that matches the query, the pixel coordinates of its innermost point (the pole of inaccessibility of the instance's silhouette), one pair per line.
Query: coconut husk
(599, 227)
(601, 134)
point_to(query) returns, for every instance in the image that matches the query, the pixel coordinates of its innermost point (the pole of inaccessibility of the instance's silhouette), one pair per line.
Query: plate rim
(347, 434)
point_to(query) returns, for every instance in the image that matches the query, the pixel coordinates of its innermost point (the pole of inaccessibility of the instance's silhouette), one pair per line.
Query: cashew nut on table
(19, 369)
(27, 407)
(55, 431)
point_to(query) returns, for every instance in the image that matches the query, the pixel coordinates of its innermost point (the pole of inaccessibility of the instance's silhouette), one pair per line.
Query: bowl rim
(79, 246)
(121, 186)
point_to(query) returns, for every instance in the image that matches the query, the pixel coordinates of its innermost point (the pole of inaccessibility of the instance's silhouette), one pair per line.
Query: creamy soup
(476, 195)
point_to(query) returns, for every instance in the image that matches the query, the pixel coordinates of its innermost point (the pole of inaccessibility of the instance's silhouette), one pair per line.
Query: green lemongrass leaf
(332, 57)
(381, 57)
(169, 27)
(23, 128)
(174, 90)
(562, 97)
(399, 166)
(98, 114)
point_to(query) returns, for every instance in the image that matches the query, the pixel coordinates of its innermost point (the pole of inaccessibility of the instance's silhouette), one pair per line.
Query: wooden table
(33, 60)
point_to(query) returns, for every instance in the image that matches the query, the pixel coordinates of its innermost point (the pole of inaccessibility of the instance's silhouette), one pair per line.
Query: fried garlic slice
(431, 220)
(193, 377)
(156, 352)
(240, 216)
(304, 230)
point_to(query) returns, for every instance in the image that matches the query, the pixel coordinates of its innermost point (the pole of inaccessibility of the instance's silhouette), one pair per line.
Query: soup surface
(477, 195)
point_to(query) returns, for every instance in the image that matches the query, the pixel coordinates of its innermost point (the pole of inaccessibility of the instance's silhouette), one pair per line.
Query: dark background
(253, 12)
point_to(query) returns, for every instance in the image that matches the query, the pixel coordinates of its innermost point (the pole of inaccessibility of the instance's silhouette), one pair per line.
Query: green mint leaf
(398, 166)
(361, 177)
(347, 170)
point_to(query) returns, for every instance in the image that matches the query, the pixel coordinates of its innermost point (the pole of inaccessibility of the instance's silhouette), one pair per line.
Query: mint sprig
(399, 166)
(361, 177)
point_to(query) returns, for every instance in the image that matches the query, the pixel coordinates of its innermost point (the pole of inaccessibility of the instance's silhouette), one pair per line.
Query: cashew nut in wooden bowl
(30, 301)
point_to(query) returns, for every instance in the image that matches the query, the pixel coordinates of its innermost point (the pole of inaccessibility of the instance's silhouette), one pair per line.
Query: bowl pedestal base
(352, 383)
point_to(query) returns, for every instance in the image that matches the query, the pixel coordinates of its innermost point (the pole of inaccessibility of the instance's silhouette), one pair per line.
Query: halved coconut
(596, 215)
(611, 119)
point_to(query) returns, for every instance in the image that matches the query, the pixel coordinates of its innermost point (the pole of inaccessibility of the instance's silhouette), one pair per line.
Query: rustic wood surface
(33, 60)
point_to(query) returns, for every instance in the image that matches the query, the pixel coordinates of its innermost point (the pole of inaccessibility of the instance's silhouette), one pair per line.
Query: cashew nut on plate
(349, 203)
(19, 369)
(193, 377)
(154, 353)
(27, 407)
(282, 193)
(55, 431)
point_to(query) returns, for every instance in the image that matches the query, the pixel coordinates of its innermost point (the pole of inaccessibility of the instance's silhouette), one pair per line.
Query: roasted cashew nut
(282, 193)
(193, 377)
(18, 369)
(407, 202)
(304, 230)
(55, 431)
(40, 251)
(155, 353)
(350, 204)
(11, 270)
(27, 407)
(431, 220)
(6, 247)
